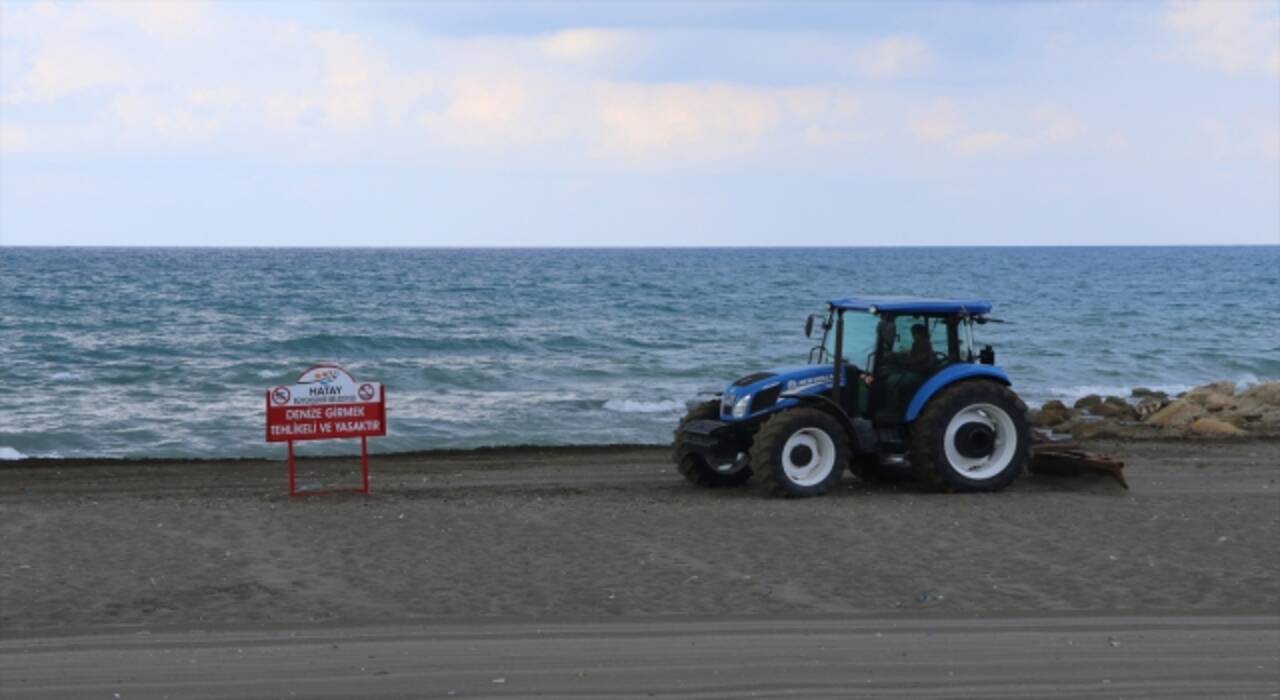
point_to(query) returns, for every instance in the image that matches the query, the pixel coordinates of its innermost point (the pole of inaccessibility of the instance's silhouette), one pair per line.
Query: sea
(167, 352)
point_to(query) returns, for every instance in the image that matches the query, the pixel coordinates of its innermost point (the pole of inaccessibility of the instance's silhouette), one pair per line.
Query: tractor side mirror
(987, 356)
(808, 326)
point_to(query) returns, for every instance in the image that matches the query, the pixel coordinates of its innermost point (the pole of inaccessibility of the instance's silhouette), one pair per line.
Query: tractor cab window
(919, 336)
(859, 339)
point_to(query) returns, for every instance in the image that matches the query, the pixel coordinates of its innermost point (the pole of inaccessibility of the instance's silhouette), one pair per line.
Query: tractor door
(911, 349)
(859, 346)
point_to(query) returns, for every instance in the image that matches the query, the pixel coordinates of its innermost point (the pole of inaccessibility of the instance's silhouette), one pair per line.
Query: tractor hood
(765, 387)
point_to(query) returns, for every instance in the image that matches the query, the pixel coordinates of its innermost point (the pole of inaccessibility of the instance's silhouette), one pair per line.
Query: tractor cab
(890, 346)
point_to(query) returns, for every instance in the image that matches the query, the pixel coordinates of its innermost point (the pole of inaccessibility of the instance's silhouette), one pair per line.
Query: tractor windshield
(859, 339)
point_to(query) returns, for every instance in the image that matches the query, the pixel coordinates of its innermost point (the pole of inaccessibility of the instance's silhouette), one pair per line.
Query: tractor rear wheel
(972, 436)
(695, 467)
(800, 452)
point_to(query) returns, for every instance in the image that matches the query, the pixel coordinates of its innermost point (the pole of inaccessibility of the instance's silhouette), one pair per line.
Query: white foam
(8, 454)
(66, 376)
(630, 406)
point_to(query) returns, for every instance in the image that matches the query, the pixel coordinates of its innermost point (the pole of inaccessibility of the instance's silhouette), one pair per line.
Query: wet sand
(112, 567)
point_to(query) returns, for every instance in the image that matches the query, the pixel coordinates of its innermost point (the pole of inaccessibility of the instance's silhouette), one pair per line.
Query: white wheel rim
(821, 460)
(1004, 443)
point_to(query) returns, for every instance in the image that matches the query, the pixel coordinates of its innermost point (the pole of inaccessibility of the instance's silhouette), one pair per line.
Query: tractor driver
(905, 371)
(921, 358)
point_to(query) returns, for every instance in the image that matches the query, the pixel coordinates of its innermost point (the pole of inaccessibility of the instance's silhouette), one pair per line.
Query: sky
(639, 124)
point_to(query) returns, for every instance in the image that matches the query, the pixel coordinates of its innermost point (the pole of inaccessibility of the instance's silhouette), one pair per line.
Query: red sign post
(325, 403)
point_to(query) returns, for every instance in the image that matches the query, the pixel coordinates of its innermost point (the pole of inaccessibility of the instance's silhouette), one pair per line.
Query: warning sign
(326, 402)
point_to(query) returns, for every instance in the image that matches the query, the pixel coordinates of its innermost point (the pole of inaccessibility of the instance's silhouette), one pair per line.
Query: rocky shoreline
(1214, 410)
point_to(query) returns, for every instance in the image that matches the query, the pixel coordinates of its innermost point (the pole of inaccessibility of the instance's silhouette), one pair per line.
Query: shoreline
(477, 452)
(481, 453)
(1216, 410)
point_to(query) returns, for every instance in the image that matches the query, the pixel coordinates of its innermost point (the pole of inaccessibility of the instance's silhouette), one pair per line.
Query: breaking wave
(632, 406)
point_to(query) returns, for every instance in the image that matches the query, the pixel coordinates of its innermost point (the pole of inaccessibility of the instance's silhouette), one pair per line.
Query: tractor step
(1065, 459)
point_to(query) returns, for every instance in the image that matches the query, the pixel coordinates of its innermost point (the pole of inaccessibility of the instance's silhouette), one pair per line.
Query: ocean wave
(8, 454)
(370, 345)
(633, 406)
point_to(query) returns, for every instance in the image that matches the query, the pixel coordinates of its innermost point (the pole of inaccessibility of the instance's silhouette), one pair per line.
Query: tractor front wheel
(972, 436)
(800, 452)
(695, 467)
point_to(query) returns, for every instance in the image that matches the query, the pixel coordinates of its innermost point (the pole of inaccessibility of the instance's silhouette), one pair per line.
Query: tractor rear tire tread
(927, 455)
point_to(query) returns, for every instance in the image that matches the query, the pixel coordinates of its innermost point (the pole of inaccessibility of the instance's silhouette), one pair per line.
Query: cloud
(981, 142)
(13, 138)
(61, 69)
(941, 124)
(154, 78)
(1239, 139)
(894, 56)
(164, 19)
(1230, 36)
(169, 83)
(936, 123)
(1056, 125)
(684, 121)
(584, 44)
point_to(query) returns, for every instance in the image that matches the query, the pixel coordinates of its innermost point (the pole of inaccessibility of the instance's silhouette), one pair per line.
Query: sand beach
(203, 579)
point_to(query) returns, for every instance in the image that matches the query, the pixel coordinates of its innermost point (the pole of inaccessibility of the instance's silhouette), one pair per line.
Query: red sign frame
(326, 403)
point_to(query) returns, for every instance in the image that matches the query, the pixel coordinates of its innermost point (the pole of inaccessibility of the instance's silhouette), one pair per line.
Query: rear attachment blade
(1070, 460)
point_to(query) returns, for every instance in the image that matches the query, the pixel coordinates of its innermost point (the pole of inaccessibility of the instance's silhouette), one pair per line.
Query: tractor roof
(914, 305)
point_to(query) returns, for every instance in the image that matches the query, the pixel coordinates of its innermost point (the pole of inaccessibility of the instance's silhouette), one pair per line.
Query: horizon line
(629, 247)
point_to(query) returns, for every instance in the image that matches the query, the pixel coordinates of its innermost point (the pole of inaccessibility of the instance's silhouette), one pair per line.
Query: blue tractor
(895, 389)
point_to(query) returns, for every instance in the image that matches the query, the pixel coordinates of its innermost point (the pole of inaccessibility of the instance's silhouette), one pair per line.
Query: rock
(1216, 402)
(1054, 405)
(1049, 416)
(1086, 402)
(1266, 394)
(1212, 427)
(1119, 410)
(1178, 414)
(1144, 393)
(1201, 394)
(1150, 406)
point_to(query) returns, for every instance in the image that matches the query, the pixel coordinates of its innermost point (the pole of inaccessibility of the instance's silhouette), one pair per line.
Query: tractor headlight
(740, 408)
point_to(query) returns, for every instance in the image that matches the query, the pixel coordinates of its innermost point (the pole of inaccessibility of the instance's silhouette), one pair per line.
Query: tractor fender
(946, 378)
(831, 407)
